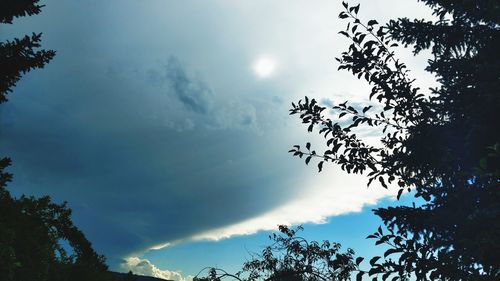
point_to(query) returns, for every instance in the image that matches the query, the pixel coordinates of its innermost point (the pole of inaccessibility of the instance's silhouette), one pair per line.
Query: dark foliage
(444, 144)
(19, 56)
(33, 232)
(292, 258)
(130, 276)
(10, 9)
(38, 240)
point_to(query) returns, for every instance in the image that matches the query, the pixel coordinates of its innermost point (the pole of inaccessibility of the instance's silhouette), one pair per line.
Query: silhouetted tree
(292, 258)
(33, 231)
(443, 144)
(19, 56)
(130, 276)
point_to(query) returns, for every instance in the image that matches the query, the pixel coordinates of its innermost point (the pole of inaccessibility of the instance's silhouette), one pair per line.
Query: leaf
(359, 260)
(373, 270)
(366, 108)
(361, 38)
(329, 142)
(344, 33)
(308, 159)
(374, 260)
(382, 182)
(372, 22)
(391, 251)
(381, 240)
(308, 146)
(320, 166)
(400, 191)
(359, 276)
(354, 9)
(343, 15)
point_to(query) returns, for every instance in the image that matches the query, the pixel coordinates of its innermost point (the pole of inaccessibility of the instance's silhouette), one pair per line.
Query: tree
(33, 231)
(444, 145)
(130, 276)
(19, 56)
(292, 258)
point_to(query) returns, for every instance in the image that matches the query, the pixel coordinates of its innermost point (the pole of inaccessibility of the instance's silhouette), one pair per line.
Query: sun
(264, 67)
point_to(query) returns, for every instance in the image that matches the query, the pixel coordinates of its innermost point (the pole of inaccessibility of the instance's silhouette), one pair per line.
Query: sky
(164, 124)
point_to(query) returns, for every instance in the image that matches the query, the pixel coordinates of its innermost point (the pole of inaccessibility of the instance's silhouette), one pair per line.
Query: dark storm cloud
(111, 146)
(131, 181)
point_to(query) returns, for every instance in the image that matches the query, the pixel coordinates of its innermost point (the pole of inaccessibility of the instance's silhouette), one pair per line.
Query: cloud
(336, 196)
(190, 90)
(145, 267)
(236, 115)
(147, 151)
(190, 102)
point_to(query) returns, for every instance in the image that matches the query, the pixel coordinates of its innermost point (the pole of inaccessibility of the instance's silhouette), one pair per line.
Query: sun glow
(264, 67)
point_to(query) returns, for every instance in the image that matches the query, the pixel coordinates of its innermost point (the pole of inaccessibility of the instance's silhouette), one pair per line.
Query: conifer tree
(20, 55)
(32, 230)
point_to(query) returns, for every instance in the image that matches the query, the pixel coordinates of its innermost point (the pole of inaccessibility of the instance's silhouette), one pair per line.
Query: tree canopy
(292, 258)
(38, 240)
(443, 145)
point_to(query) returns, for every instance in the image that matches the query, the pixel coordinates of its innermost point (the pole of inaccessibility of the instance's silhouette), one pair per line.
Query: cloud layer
(157, 130)
(331, 196)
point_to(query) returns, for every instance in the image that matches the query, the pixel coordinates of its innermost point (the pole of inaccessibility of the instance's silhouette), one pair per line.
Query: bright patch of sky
(166, 123)
(264, 67)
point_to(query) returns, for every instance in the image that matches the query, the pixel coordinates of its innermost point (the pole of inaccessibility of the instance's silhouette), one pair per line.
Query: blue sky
(166, 122)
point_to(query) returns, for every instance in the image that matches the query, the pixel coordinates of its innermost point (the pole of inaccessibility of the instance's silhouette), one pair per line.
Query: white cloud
(145, 267)
(161, 246)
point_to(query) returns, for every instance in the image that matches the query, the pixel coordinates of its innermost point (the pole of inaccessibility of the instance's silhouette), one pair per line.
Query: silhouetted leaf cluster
(292, 258)
(444, 144)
